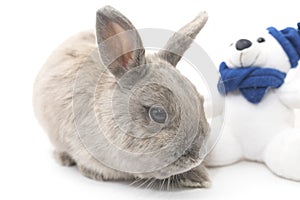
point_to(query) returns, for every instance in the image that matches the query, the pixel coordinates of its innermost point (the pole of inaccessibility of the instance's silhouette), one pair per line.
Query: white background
(30, 30)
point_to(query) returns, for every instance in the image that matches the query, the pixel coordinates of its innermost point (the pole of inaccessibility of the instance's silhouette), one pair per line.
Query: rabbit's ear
(180, 41)
(119, 43)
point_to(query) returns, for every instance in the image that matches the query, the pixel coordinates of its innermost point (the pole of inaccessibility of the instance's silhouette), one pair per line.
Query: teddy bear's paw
(227, 151)
(282, 155)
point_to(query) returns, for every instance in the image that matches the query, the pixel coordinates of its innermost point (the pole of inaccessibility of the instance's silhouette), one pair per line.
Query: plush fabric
(253, 82)
(289, 39)
(262, 132)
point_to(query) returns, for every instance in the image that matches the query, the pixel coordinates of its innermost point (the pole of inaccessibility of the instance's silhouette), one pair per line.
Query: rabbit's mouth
(179, 169)
(183, 164)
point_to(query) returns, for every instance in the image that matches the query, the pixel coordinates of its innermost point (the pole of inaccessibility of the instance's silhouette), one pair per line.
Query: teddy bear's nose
(243, 44)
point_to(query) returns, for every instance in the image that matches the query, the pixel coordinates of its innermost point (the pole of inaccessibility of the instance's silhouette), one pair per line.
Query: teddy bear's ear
(289, 39)
(180, 41)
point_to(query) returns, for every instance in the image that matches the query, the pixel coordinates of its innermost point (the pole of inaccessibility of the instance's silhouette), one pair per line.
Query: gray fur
(180, 41)
(58, 90)
(111, 22)
(63, 158)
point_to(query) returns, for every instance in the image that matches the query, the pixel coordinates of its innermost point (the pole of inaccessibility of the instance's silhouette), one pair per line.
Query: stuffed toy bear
(262, 87)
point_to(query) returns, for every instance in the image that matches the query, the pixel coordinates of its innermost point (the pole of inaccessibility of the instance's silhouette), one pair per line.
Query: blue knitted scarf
(252, 82)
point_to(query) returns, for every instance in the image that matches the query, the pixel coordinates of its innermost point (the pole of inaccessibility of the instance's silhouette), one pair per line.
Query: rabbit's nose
(243, 44)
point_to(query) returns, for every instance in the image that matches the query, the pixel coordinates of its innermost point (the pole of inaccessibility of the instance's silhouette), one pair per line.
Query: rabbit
(99, 90)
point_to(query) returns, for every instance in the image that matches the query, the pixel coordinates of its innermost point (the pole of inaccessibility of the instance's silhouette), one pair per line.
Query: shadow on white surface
(42, 178)
(240, 181)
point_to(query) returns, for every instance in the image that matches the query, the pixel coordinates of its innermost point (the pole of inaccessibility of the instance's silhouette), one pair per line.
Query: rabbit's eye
(158, 114)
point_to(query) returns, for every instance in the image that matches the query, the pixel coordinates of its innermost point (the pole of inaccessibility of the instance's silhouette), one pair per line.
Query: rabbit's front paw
(63, 158)
(195, 178)
(90, 173)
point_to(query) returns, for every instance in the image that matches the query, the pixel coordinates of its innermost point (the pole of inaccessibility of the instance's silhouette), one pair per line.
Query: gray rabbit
(123, 115)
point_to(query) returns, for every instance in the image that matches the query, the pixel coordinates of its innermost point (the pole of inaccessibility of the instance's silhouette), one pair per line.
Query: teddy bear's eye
(260, 39)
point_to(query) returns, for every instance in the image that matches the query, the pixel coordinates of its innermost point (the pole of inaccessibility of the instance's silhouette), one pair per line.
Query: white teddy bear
(260, 102)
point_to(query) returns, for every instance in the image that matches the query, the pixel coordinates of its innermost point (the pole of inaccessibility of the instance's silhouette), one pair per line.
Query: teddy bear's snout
(242, 44)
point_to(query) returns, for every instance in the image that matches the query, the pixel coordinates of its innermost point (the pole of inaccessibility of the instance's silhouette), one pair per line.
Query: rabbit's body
(78, 92)
(53, 99)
